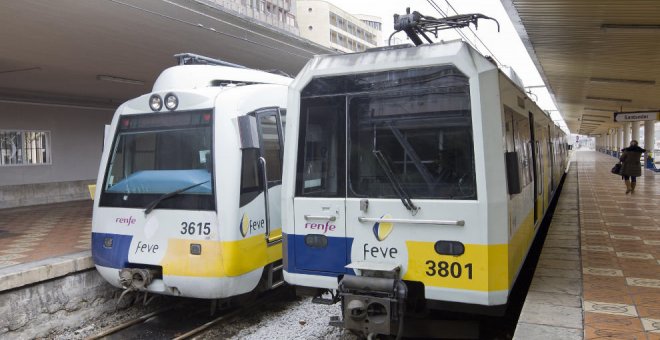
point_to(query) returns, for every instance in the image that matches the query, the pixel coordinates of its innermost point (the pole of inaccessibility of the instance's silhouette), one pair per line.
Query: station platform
(42, 242)
(598, 276)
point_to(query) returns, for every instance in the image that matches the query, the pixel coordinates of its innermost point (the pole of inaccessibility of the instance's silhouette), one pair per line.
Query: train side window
(271, 144)
(511, 156)
(523, 141)
(250, 183)
(321, 149)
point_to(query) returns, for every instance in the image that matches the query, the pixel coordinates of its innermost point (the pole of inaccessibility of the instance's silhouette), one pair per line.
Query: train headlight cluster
(171, 101)
(155, 102)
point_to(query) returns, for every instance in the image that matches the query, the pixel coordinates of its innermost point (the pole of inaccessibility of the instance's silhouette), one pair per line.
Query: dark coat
(630, 161)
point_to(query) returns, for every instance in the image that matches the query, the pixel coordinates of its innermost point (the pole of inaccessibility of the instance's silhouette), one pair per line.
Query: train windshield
(410, 129)
(156, 154)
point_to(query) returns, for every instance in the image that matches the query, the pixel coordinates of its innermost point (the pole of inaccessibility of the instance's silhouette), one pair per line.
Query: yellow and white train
(415, 178)
(189, 184)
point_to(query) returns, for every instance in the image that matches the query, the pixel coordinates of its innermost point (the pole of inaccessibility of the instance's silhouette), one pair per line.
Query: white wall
(76, 137)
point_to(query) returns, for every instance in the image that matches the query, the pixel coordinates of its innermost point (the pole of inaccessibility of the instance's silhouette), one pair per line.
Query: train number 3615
(193, 228)
(445, 269)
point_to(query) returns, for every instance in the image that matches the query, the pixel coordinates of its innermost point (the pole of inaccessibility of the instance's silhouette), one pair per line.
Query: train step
(276, 275)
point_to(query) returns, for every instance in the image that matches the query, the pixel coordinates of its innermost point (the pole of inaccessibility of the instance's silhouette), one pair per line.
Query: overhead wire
(437, 8)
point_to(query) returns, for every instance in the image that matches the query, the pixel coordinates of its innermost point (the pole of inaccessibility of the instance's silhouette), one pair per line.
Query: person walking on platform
(630, 167)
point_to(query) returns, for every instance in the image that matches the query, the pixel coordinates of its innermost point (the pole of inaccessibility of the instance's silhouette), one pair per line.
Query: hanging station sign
(636, 116)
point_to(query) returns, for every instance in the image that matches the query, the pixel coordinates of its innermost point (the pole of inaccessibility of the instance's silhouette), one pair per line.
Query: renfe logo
(125, 220)
(320, 226)
(248, 226)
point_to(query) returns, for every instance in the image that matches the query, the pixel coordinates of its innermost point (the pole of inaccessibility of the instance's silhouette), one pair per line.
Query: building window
(24, 147)
(333, 37)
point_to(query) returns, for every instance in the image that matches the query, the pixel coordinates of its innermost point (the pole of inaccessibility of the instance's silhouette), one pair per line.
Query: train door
(320, 243)
(269, 126)
(551, 155)
(535, 166)
(540, 163)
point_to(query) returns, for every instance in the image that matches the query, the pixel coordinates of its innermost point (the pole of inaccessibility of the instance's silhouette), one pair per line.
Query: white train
(180, 207)
(415, 178)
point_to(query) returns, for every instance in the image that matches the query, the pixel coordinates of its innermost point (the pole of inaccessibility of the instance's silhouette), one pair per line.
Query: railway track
(183, 322)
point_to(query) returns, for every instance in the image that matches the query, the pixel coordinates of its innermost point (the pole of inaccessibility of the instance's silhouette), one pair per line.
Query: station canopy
(100, 53)
(596, 56)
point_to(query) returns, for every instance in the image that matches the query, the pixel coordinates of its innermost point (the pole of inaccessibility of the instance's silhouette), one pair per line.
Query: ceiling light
(607, 99)
(622, 81)
(595, 109)
(596, 116)
(119, 80)
(630, 26)
(36, 68)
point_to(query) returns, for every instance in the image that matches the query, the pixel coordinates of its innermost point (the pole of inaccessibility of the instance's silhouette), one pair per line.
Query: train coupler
(372, 305)
(136, 278)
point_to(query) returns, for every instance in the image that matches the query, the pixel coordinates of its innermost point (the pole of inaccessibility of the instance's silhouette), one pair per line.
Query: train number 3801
(445, 269)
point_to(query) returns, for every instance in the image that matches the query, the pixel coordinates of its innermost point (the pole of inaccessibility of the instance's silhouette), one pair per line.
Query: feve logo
(248, 226)
(383, 229)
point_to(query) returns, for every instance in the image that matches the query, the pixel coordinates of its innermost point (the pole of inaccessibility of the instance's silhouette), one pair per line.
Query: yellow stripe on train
(220, 259)
(481, 267)
(484, 268)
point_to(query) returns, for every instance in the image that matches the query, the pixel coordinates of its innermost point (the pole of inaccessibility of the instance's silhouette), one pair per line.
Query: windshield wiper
(155, 202)
(400, 191)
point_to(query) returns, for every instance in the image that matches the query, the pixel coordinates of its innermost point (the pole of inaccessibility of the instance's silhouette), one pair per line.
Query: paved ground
(39, 232)
(620, 241)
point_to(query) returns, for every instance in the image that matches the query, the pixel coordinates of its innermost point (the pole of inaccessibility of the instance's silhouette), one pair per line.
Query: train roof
(395, 57)
(203, 76)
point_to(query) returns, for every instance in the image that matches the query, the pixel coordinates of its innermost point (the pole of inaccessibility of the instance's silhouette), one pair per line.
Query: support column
(649, 143)
(635, 131)
(606, 142)
(618, 138)
(626, 134)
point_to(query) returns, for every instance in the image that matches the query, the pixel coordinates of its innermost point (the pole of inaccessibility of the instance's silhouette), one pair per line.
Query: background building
(330, 26)
(278, 13)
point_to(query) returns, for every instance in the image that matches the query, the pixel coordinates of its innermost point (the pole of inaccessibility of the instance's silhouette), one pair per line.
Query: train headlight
(155, 102)
(196, 249)
(107, 242)
(171, 101)
(453, 248)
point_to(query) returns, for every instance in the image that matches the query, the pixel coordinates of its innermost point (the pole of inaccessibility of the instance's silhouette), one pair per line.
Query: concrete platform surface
(610, 283)
(43, 242)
